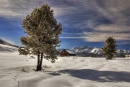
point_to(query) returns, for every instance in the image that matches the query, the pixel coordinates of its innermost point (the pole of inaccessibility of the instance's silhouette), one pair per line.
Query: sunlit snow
(19, 71)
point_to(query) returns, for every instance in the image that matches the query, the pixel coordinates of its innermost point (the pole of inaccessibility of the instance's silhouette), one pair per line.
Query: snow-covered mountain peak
(90, 51)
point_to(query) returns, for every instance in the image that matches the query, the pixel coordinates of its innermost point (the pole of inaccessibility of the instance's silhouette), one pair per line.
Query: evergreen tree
(42, 37)
(109, 49)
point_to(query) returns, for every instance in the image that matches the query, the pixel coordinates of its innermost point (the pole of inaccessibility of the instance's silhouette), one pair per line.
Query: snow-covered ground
(17, 71)
(6, 48)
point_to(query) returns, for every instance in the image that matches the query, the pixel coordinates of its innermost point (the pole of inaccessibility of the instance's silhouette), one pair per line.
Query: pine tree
(42, 37)
(109, 49)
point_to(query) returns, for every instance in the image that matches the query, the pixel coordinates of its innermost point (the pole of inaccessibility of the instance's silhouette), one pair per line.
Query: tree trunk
(41, 60)
(38, 63)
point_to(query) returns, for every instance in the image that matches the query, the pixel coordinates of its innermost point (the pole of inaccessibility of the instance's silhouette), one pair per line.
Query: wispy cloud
(12, 9)
(111, 19)
(101, 37)
(113, 28)
(20, 8)
(94, 19)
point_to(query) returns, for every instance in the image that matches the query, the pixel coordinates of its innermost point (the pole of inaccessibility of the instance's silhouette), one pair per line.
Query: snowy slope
(17, 71)
(86, 50)
(82, 49)
(89, 51)
(98, 51)
(7, 48)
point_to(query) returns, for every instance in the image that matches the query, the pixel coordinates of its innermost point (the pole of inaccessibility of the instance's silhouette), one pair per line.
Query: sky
(84, 22)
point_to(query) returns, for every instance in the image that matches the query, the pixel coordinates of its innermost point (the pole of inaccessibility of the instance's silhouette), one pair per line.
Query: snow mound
(6, 48)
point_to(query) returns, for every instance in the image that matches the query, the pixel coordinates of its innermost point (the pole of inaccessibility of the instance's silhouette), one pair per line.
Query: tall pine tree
(42, 37)
(109, 49)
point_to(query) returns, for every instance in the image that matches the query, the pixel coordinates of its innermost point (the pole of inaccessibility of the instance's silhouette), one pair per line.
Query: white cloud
(117, 11)
(112, 28)
(20, 8)
(71, 37)
(101, 37)
(113, 10)
(13, 9)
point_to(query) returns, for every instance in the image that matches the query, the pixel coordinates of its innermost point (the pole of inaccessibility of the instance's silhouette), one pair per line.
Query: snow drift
(18, 71)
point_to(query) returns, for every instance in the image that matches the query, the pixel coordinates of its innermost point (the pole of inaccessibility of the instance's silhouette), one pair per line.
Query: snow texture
(18, 71)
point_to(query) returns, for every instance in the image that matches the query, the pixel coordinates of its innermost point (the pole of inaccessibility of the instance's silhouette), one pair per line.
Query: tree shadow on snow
(95, 75)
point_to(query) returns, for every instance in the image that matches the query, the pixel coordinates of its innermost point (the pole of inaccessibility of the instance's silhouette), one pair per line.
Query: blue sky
(84, 22)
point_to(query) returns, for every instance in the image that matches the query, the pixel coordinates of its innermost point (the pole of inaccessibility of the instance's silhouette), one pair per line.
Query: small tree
(110, 48)
(42, 32)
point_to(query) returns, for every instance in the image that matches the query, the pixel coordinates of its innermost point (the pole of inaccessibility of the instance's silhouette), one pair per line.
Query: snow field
(18, 71)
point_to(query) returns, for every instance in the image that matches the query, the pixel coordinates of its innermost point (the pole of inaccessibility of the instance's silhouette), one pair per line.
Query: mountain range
(80, 51)
(94, 52)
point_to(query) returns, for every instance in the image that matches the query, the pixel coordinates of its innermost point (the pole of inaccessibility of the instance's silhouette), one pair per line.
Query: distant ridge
(7, 47)
(96, 52)
(7, 43)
